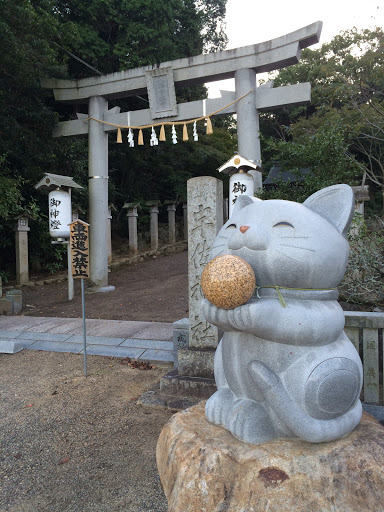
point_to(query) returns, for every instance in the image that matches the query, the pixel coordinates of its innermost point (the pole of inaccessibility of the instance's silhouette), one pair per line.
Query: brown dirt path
(152, 290)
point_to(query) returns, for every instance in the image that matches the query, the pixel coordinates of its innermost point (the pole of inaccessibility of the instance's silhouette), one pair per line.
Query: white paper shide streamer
(174, 135)
(195, 136)
(131, 140)
(154, 140)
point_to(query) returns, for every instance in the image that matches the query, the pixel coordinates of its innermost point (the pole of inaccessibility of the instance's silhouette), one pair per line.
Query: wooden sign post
(79, 247)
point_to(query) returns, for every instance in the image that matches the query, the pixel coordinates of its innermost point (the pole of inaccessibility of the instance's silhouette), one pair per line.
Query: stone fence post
(154, 214)
(132, 226)
(171, 207)
(21, 240)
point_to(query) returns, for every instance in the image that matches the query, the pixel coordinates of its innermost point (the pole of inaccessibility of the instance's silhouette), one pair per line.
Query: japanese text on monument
(203, 230)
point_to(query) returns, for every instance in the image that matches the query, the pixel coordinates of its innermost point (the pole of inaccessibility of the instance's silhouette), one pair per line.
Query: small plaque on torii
(161, 92)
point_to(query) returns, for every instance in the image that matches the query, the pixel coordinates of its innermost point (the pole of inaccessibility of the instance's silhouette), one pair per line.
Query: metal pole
(84, 334)
(71, 292)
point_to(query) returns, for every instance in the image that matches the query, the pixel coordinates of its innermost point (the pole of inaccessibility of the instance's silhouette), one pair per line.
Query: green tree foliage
(325, 151)
(41, 38)
(122, 34)
(340, 134)
(26, 120)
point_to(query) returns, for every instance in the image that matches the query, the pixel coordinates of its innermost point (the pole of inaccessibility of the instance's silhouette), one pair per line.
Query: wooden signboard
(79, 249)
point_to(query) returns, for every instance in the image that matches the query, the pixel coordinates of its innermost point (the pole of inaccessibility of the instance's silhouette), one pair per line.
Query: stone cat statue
(284, 367)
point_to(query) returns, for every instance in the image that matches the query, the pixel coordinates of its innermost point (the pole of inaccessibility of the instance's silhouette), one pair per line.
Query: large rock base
(203, 468)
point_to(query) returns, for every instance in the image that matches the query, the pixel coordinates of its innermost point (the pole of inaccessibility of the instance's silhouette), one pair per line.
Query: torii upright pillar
(98, 191)
(248, 120)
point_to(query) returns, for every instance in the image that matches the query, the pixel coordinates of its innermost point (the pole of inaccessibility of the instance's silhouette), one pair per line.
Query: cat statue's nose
(243, 229)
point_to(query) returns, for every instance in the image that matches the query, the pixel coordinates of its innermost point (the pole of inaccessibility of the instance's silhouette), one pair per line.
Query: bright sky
(255, 21)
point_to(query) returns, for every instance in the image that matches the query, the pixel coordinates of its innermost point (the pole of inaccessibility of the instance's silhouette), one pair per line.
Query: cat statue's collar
(296, 293)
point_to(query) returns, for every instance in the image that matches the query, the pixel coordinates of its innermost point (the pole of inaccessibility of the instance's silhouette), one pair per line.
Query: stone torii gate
(241, 63)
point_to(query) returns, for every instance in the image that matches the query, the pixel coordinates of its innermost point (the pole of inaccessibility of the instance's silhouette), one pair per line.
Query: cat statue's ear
(336, 204)
(243, 201)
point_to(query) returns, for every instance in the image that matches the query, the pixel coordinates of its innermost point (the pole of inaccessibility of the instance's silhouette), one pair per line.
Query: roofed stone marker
(241, 63)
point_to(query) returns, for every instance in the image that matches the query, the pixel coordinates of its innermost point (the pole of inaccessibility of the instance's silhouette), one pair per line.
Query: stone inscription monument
(284, 367)
(205, 218)
(241, 63)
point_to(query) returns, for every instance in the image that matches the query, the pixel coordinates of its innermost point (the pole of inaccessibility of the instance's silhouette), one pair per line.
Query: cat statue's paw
(216, 316)
(219, 405)
(249, 422)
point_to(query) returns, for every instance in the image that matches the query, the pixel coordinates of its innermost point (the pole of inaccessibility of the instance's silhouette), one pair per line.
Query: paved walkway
(142, 341)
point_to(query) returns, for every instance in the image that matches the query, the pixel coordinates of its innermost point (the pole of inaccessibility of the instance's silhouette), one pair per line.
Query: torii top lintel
(267, 56)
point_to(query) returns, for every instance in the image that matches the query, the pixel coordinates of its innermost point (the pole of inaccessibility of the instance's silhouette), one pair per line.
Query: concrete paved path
(142, 341)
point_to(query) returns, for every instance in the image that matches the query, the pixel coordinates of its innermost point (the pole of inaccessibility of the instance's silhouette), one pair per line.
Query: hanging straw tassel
(209, 126)
(119, 139)
(162, 134)
(185, 133)
(140, 141)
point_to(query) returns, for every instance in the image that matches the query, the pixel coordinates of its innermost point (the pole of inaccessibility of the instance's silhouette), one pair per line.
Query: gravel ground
(71, 443)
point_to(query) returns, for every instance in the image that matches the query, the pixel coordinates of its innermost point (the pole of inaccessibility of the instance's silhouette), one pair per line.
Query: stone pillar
(248, 120)
(132, 230)
(185, 221)
(21, 240)
(193, 376)
(98, 194)
(205, 218)
(154, 213)
(172, 222)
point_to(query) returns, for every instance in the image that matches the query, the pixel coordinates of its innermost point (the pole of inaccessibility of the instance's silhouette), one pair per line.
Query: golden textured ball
(228, 281)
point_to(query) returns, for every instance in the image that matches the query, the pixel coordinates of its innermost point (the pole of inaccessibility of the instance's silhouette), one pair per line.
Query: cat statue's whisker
(297, 247)
(295, 237)
(289, 256)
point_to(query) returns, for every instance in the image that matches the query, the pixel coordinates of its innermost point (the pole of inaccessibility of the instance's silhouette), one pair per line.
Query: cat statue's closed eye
(284, 367)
